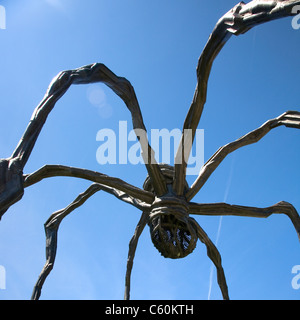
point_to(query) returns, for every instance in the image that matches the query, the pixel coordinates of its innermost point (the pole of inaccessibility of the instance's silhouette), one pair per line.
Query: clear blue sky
(155, 45)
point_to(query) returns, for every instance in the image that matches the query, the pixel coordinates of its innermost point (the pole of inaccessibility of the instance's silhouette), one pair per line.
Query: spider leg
(92, 73)
(11, 183)
(53, 223)
(131, 253)
(288, 119)
(214, 255)
(48, 171)
(238, 20)
(11, 169)
(51, 230)
(224, 209)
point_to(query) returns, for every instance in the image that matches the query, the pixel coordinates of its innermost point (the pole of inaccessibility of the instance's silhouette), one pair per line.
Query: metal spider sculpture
(166, 198)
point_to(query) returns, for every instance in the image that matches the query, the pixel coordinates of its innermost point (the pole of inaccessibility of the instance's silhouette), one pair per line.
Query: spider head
(171, 231)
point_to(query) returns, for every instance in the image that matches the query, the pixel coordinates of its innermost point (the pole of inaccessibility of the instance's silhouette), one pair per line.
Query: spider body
(172, 233)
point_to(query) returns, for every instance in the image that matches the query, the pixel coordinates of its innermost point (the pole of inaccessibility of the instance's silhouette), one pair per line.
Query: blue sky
(156, 46)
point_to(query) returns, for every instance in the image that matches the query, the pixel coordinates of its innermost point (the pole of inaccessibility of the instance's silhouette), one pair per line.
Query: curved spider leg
(238, 20)
(224, 209)
(48, 171)
(96, 72)
(51, 230)
(11, 169)
(53, 223)
(288, 119)
(131, 253)
(214, 255)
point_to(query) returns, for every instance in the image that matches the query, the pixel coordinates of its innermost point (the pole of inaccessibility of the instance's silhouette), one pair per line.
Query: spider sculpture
(165, 200)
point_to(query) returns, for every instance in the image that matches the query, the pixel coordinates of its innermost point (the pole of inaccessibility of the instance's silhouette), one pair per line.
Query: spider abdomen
(171, 236)
(171, 231)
